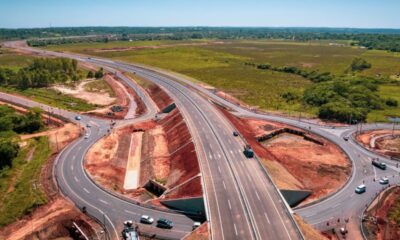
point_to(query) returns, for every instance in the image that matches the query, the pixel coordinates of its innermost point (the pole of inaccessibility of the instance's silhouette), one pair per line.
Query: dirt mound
(302, 162)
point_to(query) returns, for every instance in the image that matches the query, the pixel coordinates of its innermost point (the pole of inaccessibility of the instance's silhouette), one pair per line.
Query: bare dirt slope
(381, 221)
(52, 221)
(98, 98)
(385, 142)
(294, 162)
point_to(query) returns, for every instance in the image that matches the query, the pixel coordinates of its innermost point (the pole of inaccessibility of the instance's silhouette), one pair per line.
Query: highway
(241, 201)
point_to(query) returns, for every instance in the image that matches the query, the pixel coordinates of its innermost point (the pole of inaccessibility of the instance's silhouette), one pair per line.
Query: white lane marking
(223, 183)
(130, 212)
(73, 157)
(84, 189)
(239, 151)
(210, 156)
(219, 155)
(76, 179)
(258, 196)
(266, 216)
(234, 226)
(219, 169)
(231, 152)
(101, 200)
(72, 167)
(229, 204)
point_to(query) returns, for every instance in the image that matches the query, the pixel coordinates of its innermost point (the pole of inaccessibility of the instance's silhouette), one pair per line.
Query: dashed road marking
(76, 179)
(258, 196)
(266, 216)
(101, 200)
(236, 232)
(223, 183)
(84, 189)
(229, 204)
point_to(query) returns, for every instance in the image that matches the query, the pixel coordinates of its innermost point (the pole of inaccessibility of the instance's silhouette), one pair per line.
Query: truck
(379, 164)
(248, 152)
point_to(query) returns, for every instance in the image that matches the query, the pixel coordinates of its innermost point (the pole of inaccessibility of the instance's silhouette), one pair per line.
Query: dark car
(235, 134)
(164, 223)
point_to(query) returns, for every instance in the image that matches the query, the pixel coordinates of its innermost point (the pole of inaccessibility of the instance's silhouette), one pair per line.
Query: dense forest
(382, 39)
(41, 73)
(11, 124)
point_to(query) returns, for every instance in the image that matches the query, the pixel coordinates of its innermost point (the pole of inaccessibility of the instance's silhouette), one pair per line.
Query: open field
(222, 65)
(9, 59)
(20, 190)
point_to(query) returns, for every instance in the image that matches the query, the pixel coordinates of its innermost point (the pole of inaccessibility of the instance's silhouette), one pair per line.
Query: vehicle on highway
(384, 180)
(129, 232)
(248, 152)
(196, 225)
(361, 189)
(146, 219)
(346, 138)
(78, 118)
(88, 125)
(86, 135)
(235, 134)
(379, 164)
(164, 223)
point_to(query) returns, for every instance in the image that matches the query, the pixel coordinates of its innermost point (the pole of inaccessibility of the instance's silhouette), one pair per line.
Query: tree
(359, 64)
(90, 74)
(8, 151)
(99, 73)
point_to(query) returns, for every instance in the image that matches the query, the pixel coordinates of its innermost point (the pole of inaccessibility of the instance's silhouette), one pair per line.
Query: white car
(146, 219)
(86, 136)
(384, 180)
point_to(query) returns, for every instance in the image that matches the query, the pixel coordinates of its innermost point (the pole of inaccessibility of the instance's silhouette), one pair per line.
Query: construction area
(295, 159)
(151, 161)
(384, 142)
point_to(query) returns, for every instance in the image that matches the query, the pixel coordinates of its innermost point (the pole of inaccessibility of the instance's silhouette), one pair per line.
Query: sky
(260, 13)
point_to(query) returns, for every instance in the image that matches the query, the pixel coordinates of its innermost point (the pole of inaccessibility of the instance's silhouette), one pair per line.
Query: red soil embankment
(385, 142)
(294, 162)
(167, 156)
(385, 227)
(159, 96)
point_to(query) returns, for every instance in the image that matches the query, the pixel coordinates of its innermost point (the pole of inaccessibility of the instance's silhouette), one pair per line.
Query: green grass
(15, 61)
(386, 91)
(87, 47)
(99, 86)
(52, 98)
(222, 66)
(20, 191)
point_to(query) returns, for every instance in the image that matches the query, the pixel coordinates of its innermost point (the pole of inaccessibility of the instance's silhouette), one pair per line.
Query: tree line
(382, 39)
(42, 72)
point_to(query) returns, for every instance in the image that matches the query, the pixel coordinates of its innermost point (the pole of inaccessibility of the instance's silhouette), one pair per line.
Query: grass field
(223, 66)
(20, 191)
(9, 59)
(52, 98)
